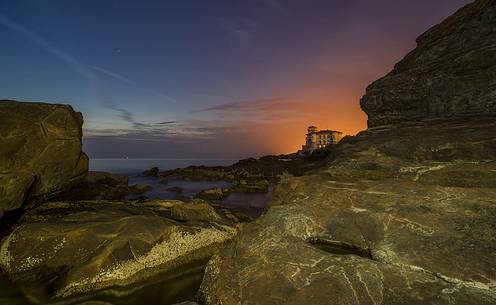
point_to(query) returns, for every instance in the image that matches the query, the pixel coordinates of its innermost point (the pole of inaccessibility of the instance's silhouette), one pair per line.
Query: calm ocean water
(137, 166)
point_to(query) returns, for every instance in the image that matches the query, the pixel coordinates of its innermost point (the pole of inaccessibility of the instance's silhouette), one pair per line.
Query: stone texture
(14, 187)
(40, 142)
(64, 249)
(451, 73)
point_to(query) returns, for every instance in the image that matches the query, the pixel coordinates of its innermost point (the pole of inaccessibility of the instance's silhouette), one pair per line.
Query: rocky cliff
(40, 151)
(451, 73)
(402, 214)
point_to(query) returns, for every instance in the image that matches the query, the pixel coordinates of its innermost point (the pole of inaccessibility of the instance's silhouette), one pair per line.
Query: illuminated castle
(317, 139)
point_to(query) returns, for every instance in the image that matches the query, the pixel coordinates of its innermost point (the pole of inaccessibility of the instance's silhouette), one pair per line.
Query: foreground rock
(63, 249)
(402, 214)
(40, 154)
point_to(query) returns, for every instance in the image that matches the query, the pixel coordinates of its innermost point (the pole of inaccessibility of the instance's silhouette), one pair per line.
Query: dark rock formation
(213, 194)
(40, 151)
(99, 186)
(140, 188)
(152, 172)
(451, 73)
(175, 189)
(264, 168)
(64, 249)
(403, 214)
(244, 186)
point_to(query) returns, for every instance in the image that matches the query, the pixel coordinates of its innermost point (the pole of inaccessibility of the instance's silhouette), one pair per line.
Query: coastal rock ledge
(401, 214)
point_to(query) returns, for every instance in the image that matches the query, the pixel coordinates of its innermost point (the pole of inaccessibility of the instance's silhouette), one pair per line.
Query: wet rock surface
(40, 155)
(451, 72)
(62, 250)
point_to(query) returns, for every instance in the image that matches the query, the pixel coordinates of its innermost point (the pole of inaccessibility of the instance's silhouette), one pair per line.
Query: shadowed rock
(98, 186)
(40, 151)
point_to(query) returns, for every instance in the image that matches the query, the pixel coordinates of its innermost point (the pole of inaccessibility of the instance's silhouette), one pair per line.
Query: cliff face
(40, 151)
(451, 73)
(402, 214)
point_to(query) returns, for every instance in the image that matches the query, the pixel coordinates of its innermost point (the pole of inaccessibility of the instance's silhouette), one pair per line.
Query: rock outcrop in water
(451, 73)
(40, 152)
(403, 214)
(98, 186)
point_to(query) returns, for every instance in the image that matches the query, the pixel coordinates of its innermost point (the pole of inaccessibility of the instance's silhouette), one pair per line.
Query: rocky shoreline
(402, 213)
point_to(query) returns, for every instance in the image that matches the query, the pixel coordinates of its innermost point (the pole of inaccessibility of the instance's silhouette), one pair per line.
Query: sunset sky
(206, 79)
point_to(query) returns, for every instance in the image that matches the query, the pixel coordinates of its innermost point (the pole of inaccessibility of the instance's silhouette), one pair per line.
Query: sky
(206, 79)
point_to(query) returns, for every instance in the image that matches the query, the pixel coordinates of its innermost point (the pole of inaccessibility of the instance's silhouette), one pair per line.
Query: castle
(317, 139)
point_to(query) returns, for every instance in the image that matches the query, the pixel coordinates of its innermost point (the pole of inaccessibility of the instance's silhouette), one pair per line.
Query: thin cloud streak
(243, 31)
(47, 46)
(87, 71)
(113, 75)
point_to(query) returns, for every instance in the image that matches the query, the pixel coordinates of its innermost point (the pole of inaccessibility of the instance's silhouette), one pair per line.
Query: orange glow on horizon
(287, 135)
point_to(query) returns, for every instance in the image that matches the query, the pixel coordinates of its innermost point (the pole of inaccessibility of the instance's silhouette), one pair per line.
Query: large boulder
(403, 213)
(95, 248)
(40, 151)
(451, 73)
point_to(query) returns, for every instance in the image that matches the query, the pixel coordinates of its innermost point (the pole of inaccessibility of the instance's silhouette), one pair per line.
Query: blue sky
(213, 78)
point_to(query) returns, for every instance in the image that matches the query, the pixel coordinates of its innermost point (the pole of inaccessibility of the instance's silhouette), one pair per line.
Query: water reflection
(251, 204)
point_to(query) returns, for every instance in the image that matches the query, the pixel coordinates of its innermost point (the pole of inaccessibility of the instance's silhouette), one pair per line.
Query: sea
(250, 204)
(137, 166)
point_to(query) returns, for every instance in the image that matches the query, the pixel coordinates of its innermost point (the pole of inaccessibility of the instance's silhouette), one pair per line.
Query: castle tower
(319, 139)
(312, 129)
